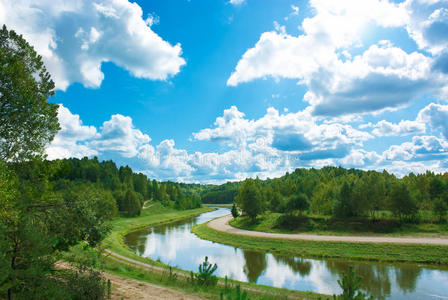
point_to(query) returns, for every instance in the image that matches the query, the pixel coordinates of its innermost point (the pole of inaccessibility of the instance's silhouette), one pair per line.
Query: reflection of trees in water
(297, 264)
(162, 229)
(136, 240)
(255, 264)
(407, 277)
(375, 278)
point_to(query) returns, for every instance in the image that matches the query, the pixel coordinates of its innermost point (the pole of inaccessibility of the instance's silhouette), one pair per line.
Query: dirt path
(222, 224)
(125, 288)
(146, 205)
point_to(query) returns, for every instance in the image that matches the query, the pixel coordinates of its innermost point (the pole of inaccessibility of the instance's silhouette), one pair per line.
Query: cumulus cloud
(76, 37)
(119, 135)
(286, 132)
(421, 148)
(403, 128)
(436, 116)
(428, 24)
(382, 77)
(72, 139)
(265, 147)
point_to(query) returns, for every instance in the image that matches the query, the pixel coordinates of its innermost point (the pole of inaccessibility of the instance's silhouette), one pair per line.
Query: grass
(324, 225)
(155, 215)
(427, 254)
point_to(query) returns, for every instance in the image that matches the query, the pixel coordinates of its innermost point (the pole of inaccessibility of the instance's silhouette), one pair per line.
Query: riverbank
(121, 260)
(385, 252)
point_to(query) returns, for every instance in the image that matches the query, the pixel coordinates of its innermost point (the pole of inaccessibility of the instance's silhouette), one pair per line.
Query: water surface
(174, 244)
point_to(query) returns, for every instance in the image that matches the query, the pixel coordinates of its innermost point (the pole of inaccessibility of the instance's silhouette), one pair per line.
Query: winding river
(174, 244)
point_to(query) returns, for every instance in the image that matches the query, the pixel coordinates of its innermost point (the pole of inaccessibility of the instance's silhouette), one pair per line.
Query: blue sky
(210, 91)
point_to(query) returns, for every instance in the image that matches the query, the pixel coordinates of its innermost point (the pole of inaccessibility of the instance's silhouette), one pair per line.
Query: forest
(347, 193)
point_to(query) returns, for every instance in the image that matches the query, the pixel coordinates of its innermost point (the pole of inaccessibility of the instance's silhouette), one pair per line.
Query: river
(174, 244)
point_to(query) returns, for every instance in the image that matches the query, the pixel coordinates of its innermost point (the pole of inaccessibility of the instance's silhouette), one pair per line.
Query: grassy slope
(327, 226)
(356, 251)
(159, 215)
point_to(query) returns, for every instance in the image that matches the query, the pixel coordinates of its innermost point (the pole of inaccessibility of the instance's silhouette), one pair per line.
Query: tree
(249, 199)
(351, 287)
(344, 205)
(36, 221)
(27, 121)
(402, 204)
(440, 209)
(234, 211)
(131, 206)
(298, 202)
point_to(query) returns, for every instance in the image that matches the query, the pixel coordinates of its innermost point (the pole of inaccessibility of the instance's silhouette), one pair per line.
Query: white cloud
(295, 12)
(237, 2)
(266, 147)
(76, 37)
(119, 135)
(436, 116)
(405, 127)
(421, 148)
(382, 77)
(428, 24)
(71, 140)
(287, 132)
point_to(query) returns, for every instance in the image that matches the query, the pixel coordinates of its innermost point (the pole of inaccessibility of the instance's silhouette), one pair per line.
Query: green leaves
(27, 121)
(205, 275)
(249, 198)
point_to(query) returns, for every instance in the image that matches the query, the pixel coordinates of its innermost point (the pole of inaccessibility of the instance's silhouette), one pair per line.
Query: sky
(211, 91)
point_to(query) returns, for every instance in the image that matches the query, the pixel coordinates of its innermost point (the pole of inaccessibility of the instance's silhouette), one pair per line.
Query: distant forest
(345, 193)
(126, 189)
(326, 191)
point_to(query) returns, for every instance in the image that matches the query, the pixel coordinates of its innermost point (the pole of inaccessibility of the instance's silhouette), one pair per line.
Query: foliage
(344, 194)
(27, 121)
(249, 198)
(131, 205)
(402, 203)
(351, 286)
(124, 184)
(234, 211)
(237, 295)
(440, 209)
(85, 284)
(298, 202)
(221, 194)
(39, 218)
(205, 275)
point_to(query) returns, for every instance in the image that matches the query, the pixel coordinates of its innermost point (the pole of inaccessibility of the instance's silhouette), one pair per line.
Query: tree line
(345, 193)
(129, 189)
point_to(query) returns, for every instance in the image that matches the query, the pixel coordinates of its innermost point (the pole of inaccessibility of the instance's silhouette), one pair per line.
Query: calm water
(174, 244)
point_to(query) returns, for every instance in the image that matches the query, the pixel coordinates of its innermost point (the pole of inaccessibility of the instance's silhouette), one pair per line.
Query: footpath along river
(174, 244)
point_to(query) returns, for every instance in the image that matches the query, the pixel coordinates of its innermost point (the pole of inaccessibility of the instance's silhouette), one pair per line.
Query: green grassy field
(427, 254)
(277, 223)
(157, 214)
